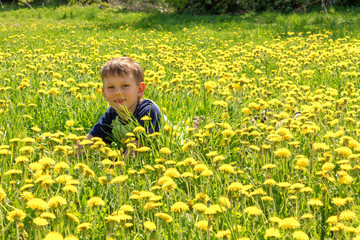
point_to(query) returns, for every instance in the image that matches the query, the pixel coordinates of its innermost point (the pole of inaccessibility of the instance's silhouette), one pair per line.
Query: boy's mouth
(119, 101)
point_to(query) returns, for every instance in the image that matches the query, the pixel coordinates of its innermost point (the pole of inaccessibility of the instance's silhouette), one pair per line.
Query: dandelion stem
(17, 230)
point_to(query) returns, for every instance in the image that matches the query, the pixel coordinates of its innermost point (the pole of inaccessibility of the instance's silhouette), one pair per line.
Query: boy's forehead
(117, 77)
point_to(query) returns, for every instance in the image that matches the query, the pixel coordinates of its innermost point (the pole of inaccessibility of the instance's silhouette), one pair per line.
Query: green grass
(226, 68)
(339, 22)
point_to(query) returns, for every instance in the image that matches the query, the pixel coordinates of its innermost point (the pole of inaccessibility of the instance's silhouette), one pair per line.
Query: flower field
(252, 170)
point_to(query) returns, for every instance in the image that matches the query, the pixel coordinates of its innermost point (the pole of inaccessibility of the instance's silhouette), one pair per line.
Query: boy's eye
(110, 87)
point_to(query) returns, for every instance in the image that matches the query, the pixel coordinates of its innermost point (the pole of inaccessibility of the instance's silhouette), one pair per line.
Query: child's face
(122, 92)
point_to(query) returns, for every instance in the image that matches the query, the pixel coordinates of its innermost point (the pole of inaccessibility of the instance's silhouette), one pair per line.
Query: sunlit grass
(236, 176)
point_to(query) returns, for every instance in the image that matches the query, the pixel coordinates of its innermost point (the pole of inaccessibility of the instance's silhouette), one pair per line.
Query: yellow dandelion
(307, 216)
(224, 201)
(16, 215)
(187, 175)
(214, 209)
(203, 225)
(172, 173)
(119, 179)
(282, 153)
(139, 129)
(289, 223)
(179, 207)
(46, 161)
(37, 204)
(332, 219)
(95, 202)
(64, 178)
(2, 194)
(12, 172)
(306, 190)
(146, 194)
(283, 184)
(70, 123)
(53, 236)
(152, 205)
(315, 202)
(320, 146)
(21, 159)
(297, 186)
(40, 221)
(71, 237)
(26, 186)
(246, 111)
(146, 118)
(253, 211)
(150, 225)
(228, 133)
(48, 215)
(83, 226)
(200, 167)
(268, 166)
(169, 186)
(220, 103)
(27, 195)
(346, 179)
(143, 149)
(300, 235)
(86, 142)
(124, 217)
(207, 173)
(165, 150)
(343, 151)
(56, 201)
(327, 166)
(72, 217)
(70, 189)
(200, 207)
(270, 182)
(155, 198)
(267, 199)
(223, 234)
(61, 166)
(272, 233)
(26, 149)
(227, 168)
(339, 201)
(276, 220)
(218, 158)
(127, 208)
(302, 163)
(235, 187)
(347, 215)
(164, 216)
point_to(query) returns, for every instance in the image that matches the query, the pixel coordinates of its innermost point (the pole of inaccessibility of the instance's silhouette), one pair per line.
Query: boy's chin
(119, 107)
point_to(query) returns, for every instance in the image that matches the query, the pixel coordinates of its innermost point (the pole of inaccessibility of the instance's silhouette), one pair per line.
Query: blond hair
(122, 66)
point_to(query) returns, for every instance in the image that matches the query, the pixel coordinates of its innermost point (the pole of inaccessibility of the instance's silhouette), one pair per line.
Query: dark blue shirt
(146, 107)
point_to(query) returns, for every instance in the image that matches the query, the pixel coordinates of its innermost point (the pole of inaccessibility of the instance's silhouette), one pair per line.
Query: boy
(123, 88)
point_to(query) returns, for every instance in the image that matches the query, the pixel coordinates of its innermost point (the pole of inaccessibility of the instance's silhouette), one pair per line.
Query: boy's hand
(79, 146)
(128, 152)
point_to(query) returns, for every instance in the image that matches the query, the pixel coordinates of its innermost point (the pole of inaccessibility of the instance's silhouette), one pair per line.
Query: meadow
(251, 171)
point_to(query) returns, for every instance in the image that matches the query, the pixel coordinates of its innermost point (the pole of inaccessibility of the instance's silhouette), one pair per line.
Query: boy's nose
(118, 92)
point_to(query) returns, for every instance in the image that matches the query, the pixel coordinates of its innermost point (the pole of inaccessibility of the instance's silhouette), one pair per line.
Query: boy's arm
(128, 152)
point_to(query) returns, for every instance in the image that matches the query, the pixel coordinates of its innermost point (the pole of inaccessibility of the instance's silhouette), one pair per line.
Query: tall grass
(251, 164)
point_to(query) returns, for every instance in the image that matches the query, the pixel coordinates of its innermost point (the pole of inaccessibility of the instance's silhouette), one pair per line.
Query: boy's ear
(103, 92)
(141, 89)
